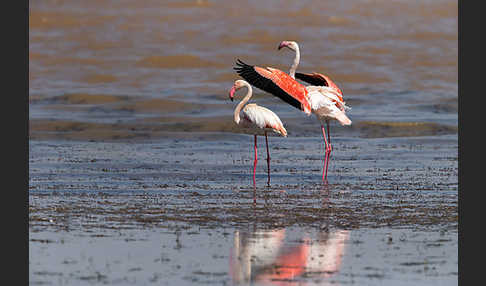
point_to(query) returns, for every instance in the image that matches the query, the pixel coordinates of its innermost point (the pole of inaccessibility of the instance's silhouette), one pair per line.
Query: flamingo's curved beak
(232, 92)
(282, 44)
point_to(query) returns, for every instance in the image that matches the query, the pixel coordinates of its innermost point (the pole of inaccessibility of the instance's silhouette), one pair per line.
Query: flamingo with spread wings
(324, 101)
(256, 119)
(317, 79)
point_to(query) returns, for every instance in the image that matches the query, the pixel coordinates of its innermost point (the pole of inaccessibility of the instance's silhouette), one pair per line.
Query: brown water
(118, 61)
(138, 175)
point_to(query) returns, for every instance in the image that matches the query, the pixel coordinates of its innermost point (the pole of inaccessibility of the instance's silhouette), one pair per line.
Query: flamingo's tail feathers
(343, 119)
(281, 130)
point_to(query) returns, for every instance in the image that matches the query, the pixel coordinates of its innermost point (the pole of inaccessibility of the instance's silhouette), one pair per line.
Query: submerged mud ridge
(161, 127)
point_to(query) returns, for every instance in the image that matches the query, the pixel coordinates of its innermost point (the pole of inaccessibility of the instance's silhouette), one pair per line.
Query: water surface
(138, 175)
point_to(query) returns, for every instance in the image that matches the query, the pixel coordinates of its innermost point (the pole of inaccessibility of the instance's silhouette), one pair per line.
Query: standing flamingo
(315, 79)
(324, 101)
(256, 118)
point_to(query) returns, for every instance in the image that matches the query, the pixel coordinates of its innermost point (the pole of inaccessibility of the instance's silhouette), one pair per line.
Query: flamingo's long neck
(293, 68)
(242, 103)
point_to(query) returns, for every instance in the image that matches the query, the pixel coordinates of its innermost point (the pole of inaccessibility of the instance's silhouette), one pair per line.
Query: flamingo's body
(325, 101)
(256, 120)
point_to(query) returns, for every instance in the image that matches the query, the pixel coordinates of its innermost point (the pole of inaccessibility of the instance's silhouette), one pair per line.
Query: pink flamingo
(317, 79)
(323, 100)
(256, 119)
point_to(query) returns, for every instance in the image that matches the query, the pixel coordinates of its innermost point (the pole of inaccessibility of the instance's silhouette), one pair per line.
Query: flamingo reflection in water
(264, 257)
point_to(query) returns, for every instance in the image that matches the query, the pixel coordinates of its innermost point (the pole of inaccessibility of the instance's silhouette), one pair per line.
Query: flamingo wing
(264, 118)
(275, 82)
(318, 79)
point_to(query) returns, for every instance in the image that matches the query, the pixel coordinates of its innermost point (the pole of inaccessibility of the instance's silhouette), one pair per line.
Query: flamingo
(256, 119)
(316, 79)
(324, 100)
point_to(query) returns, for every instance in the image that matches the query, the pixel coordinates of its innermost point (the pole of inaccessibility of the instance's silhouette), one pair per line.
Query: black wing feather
(311, 80)
(254, 78)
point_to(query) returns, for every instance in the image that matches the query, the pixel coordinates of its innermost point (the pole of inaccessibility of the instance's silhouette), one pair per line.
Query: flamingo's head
(237, 85)
(288, 44)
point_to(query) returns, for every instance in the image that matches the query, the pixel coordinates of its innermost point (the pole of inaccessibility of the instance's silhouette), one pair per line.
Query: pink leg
(328, 151)
(329, 146)
(255, 162)
(268, 159)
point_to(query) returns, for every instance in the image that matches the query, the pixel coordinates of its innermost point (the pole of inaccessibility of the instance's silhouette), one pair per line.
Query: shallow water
(180, 211)
(137, 174)
(243, 256)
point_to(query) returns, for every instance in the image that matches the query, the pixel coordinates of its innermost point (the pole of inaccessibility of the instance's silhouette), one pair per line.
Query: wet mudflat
(180, 211)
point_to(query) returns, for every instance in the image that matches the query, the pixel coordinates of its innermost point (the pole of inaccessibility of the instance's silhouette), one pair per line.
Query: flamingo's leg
(255, 162)
(326, 158)
(329, 146)
(268, 159)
